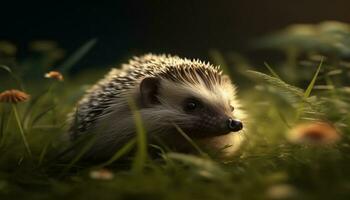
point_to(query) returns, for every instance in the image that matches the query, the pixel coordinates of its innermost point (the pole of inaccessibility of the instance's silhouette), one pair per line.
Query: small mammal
(167, 90)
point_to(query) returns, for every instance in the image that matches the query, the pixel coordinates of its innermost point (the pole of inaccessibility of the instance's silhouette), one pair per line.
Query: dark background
(186, 28)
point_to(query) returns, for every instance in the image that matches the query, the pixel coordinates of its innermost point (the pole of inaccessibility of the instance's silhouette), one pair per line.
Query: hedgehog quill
(167, 90)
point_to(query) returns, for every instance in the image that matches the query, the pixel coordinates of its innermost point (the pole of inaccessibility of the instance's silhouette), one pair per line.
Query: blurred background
(186, 28)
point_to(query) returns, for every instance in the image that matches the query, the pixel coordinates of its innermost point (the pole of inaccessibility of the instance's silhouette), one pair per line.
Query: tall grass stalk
(5, 126)
(43, 153)
(2, 124)
(77, 55)
(271, 70)
(199, 150)
(141, 139)
(120, 153)
(308, 91)
(13, 75)
(14, 107)
(88, 142)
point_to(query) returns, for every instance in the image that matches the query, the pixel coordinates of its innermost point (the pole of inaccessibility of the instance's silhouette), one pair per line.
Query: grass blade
(121, 152)
(203, 167)
(43, 152)
(6, 126)
(77, 55)
(42, 114)
(189, 140)
(24, 138)
(14, 76)
(313, 81)
(276, 82)
(141, 139)
(283, 119)
(31, 105)
(2, 124)
(90, 141)
(308, 91)
(271, 70)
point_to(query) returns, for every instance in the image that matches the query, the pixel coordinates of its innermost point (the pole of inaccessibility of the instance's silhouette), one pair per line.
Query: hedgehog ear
(149, 90)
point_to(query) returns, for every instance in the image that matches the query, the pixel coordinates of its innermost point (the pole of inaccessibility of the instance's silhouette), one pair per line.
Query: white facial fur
(222, 97)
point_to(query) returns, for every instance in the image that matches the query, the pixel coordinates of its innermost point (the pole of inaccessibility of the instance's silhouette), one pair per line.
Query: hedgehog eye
(191, 104)
(232, 108)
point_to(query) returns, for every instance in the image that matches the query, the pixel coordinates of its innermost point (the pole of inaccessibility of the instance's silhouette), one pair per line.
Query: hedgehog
(171, 94)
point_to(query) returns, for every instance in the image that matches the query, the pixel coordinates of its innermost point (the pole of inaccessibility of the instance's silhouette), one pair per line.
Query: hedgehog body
(170, 93)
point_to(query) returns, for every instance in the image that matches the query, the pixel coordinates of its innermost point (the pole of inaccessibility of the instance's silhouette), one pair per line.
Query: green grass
(267, 166)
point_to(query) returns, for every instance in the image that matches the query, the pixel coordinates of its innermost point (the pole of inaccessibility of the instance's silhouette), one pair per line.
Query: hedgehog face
(208, 119)
(199, 110)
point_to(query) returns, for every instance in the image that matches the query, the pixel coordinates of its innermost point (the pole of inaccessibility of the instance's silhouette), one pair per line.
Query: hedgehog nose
(234, 125)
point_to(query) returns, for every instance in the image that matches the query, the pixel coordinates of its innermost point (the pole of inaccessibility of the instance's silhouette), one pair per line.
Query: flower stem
(21, 130)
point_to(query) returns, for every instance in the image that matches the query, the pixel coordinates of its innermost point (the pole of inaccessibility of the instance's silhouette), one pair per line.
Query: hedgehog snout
(218, 125)
(234, 125)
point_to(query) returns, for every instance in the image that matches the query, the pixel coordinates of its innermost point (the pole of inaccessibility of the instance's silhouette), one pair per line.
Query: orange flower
(13, 96)
(315, 133)
(55, 75)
